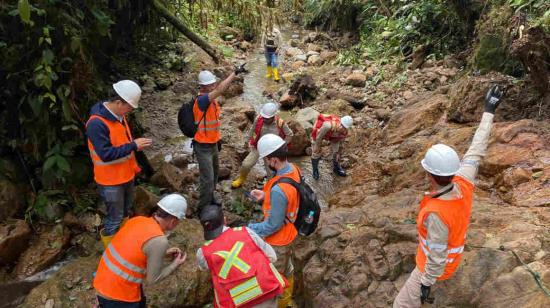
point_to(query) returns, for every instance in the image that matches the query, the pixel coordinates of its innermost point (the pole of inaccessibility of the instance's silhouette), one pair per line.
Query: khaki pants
(251, 160)
(335, 149)
(284, 259)
(409, 295)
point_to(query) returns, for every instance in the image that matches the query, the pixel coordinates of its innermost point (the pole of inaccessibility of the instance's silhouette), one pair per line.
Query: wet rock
(181, 161)
(288, 100)
(145, 201)
(314, 60)
(297, 65)
(307, 117)
(356, 80)
(11, 200)
(224, 173)
(382, 114)
(300, 57)
(313, 47)
(187, 286)
(312, 53)
(300, 141)
(234, 89)
(72, 222)
(292, 52)
(14, 239)
(168, 176)
(44, 251)
(328, 55)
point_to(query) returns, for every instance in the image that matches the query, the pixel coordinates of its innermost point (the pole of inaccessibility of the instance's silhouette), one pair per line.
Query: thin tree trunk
(178, 24)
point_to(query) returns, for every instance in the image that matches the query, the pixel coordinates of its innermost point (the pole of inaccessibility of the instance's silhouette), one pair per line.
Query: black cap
(212, 221)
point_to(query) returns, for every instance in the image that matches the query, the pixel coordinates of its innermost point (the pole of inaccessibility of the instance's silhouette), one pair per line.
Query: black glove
(492, 99)
(240, 69)
(425, 295)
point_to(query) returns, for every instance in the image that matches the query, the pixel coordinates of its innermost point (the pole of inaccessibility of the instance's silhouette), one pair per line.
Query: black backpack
(308, 202)
(186, 118)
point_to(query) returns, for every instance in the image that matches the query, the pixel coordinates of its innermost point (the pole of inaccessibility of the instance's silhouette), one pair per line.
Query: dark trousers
(118, 200)
(109, 303)
(208, 160)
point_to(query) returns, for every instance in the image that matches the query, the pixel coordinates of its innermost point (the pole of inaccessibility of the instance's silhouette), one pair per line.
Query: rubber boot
(286, 298)
(269, 72)
(240, 180)
(315, 168)
(105, 239)
(338, 169)
(276, 74)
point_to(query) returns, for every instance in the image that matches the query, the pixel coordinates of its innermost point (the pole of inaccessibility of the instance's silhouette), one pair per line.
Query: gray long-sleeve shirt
(265, 247)
(155, 250)
(438, 233)
(271, 128)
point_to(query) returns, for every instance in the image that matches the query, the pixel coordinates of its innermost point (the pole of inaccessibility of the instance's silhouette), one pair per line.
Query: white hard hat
(206, 78)
(269, 110)
(441, 160)
(347, 121)
(129, 91)
(268, 144)
(174, 204)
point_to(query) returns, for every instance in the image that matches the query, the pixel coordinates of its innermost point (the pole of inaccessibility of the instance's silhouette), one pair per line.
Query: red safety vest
(335, 133)
(288, 232)
(258, 129)
(122, 267)
(455, 214)
(208, 129)
(118, 171)
(242, 275)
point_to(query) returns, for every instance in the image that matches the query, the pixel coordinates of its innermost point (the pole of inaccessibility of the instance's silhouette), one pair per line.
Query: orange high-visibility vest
(258, 129)
(455, 214)
(118, 171)
(208, 129)
(288, 232)
(122, 267)
(242, 275)
(334, 134)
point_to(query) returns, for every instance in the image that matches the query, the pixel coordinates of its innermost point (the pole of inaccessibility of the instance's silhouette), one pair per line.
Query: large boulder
(11, 200)
(145, 201)
(356, 80)
(300, 141)
(14, 239)
(314, 60)
(44, 251)
(307, 117)
(186, 287)
(168, 176)
(293, 52)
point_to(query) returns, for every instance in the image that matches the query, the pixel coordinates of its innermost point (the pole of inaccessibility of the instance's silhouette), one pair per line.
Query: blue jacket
(98, 133)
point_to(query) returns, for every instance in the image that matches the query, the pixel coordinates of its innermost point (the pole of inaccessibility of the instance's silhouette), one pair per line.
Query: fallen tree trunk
(181, 27)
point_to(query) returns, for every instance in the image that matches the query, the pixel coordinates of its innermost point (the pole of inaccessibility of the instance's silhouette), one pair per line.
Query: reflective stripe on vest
(117, 270)
(98, 162)
(277, 275)
(245, 291)
(232, 259)
(208, 122)
(426, 247)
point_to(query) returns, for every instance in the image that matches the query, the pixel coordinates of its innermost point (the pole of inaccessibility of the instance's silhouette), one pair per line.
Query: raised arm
(478, 148)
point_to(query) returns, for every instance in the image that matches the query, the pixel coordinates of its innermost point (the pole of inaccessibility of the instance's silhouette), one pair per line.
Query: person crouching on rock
(268, 122)
(240, 264)
(135, 255)
(280, 202)
(335, 130)
(444, 216)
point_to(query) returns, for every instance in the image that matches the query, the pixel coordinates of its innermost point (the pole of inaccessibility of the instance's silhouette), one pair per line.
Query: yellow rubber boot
(240, 180)
(275, 74)
(269, 72)
(286, 298)
(105, 239)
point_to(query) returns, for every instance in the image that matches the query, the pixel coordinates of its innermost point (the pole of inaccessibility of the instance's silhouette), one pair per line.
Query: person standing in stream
(206, 143)
(112, 150)
(444, 216)
(271, 40)
(268, 122)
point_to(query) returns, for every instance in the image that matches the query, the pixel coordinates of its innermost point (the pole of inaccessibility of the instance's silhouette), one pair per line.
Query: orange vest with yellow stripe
(118, 171)
(288, 232)
(123, 266)
(242, 275)
(455, 214)
(208, 129)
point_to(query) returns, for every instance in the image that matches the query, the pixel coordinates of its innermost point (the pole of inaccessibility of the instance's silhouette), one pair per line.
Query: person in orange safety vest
(444, 215)
(136, 253)
(240, 264)
(280, 202)
(112, 150)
